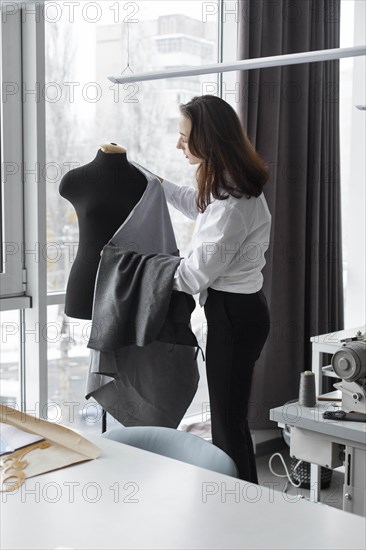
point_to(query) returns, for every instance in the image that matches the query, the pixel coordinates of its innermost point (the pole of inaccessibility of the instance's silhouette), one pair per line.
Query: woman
(225, 261)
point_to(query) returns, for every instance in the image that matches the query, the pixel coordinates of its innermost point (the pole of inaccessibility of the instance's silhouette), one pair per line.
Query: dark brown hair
(230, 165)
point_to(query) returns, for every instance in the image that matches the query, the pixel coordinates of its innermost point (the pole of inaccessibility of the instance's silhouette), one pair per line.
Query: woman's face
(185, 126)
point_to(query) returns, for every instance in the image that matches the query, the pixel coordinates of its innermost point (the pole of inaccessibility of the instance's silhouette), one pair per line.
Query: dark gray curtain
(291, 115)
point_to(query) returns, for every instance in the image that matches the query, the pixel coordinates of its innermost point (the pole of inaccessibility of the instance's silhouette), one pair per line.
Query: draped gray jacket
(143, 367)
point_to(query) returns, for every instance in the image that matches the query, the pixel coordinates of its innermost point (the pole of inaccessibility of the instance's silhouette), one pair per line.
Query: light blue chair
(175, 444)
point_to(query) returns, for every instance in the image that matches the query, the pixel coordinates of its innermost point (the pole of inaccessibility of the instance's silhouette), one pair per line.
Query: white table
(129, 498)
(318, 438)
(323, 344)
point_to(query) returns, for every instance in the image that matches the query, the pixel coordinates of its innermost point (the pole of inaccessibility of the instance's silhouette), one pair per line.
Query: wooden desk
(129, 498)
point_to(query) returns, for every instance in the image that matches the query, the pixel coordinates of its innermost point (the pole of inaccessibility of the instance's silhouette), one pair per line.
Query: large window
(84, 110)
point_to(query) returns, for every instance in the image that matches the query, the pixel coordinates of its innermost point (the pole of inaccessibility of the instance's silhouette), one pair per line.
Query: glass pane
(10, 358)
(1, 156)
(347, 38)
(352, 141)
(68, 362)
(84, 46)
(1, 174)
(84, 109)
(11, 187)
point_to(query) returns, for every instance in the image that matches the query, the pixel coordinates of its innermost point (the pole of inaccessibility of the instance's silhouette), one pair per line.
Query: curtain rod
(246, 64)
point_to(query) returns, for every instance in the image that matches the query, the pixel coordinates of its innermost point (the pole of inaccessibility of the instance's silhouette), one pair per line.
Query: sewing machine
(349, 363)
(330, 442)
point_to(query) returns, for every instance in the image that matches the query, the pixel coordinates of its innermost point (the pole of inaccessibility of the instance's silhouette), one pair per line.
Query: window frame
(23, 40)
(12, 279)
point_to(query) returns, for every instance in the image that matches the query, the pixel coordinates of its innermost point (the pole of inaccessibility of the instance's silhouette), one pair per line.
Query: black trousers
(237, 328)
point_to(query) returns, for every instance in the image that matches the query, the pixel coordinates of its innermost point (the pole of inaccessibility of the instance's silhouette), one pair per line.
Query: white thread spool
(307, 397)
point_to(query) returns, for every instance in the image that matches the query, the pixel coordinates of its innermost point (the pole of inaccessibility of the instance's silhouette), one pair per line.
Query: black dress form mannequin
(103, 193)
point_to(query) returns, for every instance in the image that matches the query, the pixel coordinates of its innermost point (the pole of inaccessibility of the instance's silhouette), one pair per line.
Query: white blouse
(228, 243)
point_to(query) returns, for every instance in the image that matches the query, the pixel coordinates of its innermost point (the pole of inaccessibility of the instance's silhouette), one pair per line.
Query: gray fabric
(153, 384)
(291, 115)
(144, 386)
(148, 229)
(134, 302)
(176, 444)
